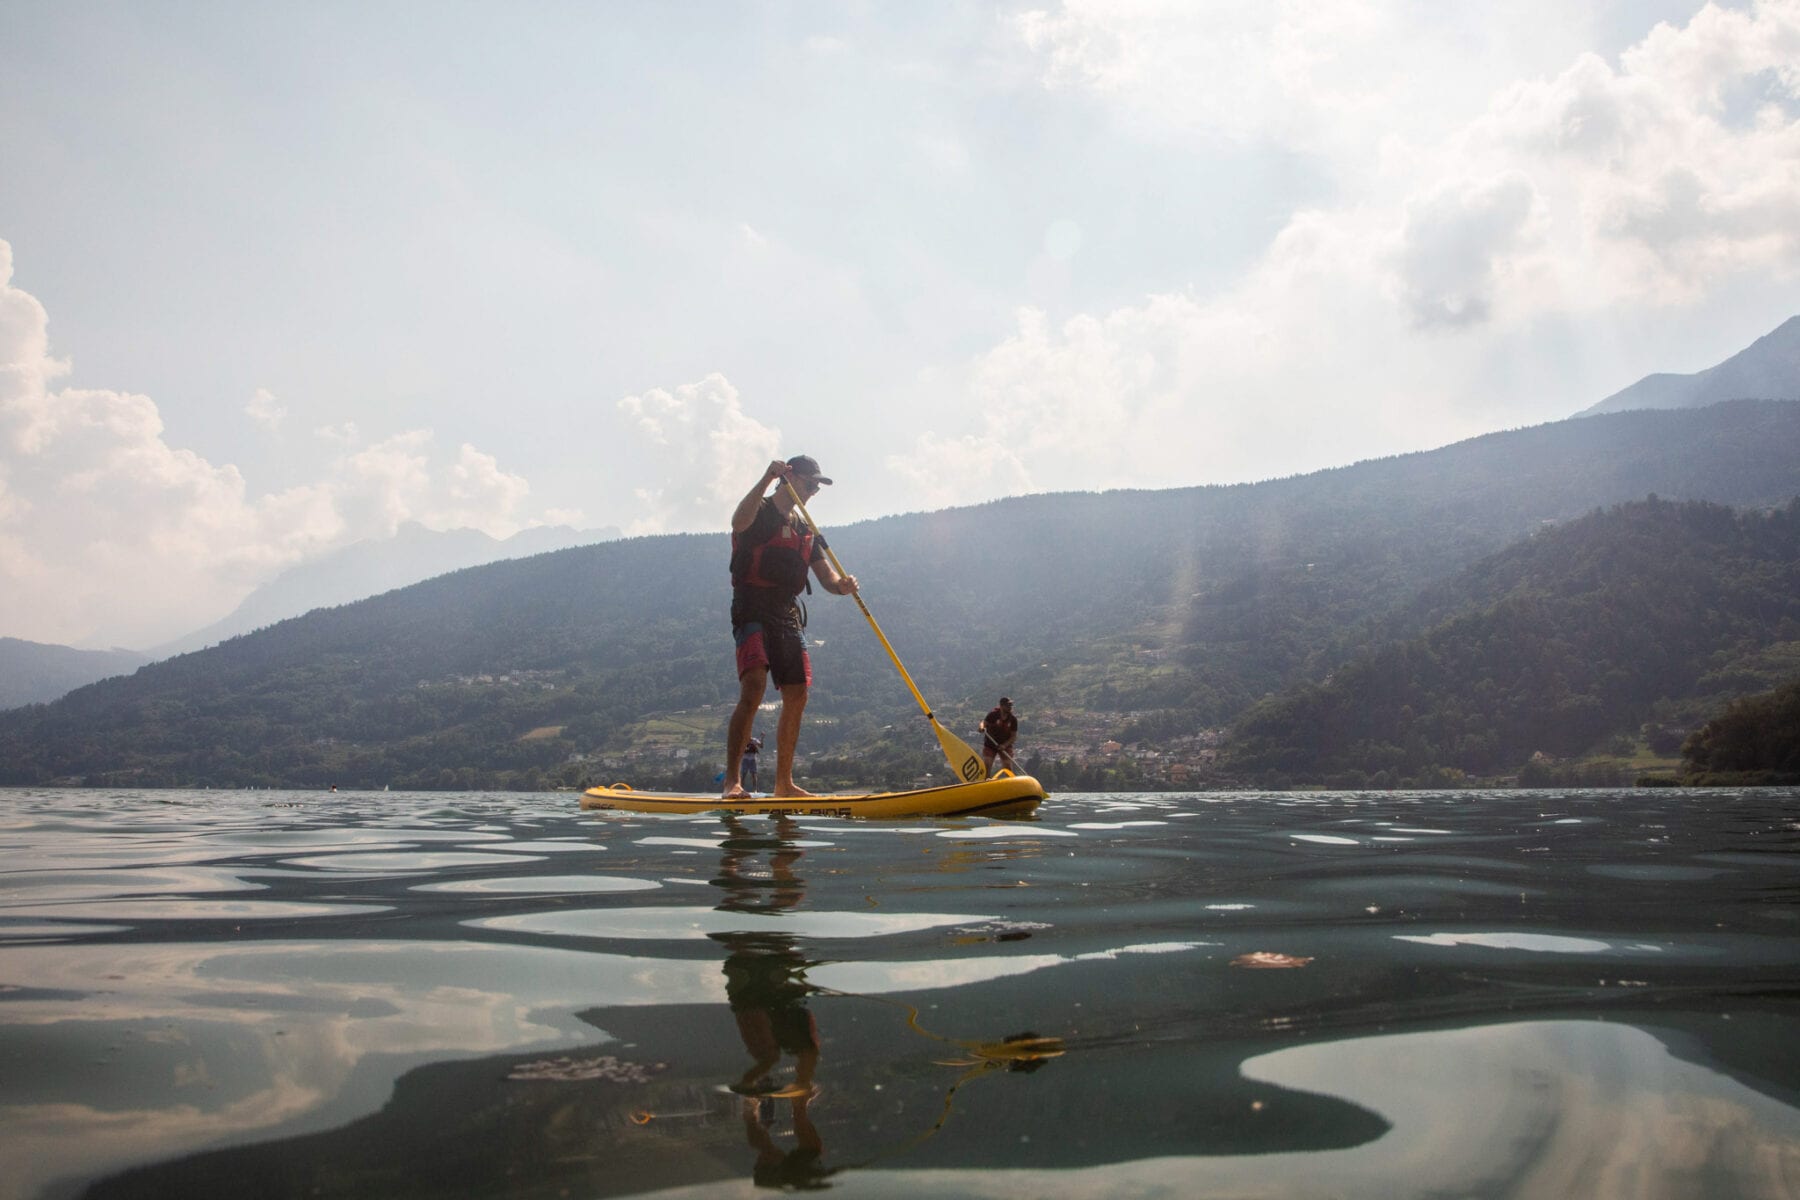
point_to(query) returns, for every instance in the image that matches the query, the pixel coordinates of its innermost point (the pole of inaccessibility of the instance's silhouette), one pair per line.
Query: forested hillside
(1140, 614)
(1652, 611)
(1756, 740)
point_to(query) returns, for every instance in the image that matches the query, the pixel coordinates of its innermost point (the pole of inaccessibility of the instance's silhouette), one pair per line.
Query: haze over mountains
(369, 568)
(1768, 369)
(1153, 614)
(35, 673)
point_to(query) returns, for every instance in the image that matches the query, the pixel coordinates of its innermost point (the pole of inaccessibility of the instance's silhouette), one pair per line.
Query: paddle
(1010, 763)
(965, 764)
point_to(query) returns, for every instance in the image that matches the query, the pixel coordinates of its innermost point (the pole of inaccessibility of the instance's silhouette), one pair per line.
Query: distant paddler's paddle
(965, 764)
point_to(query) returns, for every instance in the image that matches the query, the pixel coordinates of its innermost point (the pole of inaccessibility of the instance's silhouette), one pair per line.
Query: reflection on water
(766, 987)
(1531, 994)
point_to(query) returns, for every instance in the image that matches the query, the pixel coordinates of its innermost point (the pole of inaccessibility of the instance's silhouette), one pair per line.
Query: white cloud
(941, 471)
(1454, 243)
(1320, 79)
(1179, 388)
(704, 450)
(1677, 167)
(1670, 174)
(399, 479)
(1370, 323)
(478, 494)
(109, 534)
(26, 367)
(266, 410)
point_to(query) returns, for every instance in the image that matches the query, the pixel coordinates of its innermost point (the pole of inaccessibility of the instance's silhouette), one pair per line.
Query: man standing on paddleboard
(772, 548)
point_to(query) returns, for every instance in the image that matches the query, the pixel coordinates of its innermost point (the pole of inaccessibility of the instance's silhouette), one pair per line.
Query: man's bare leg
(752, 684)
(787, 736)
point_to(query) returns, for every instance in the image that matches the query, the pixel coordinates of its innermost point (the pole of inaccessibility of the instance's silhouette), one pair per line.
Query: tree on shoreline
(1755, 736)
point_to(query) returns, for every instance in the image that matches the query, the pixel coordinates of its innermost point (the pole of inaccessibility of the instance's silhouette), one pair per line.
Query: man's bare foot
(791, 790)
(735, 793)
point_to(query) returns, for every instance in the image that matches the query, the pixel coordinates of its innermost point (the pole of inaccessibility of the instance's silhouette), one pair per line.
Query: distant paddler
(999, 732)
(772, 549)
(747, 766)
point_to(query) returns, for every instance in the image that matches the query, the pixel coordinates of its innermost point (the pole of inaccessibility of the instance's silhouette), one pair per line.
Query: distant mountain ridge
(1163, 612)
(35, 673)
(1767, 369)
(368, 568)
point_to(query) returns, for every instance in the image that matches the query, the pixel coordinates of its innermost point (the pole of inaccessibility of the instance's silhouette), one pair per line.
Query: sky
(276, 278)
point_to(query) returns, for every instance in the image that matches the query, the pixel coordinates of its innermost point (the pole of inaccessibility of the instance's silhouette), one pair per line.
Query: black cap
(807, 465)
(1006, 700)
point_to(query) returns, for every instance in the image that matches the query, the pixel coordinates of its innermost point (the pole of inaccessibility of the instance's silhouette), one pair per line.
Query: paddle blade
(965, 764)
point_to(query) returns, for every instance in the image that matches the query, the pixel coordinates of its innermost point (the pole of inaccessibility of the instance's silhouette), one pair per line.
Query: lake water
(1533, 994)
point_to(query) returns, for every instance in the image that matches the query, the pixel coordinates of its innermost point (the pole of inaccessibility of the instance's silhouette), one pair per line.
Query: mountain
(1768, 369)
(1549, 648)
(1151, 614)
(35, 673)
(368, 568)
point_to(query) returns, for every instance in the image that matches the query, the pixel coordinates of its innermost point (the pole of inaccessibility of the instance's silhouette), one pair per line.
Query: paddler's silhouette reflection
(765, 982)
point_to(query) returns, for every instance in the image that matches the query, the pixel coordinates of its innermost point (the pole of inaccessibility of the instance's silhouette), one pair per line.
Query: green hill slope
(1163, 612)
(1572, 637)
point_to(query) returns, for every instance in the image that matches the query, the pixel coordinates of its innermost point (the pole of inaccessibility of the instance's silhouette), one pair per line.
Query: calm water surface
(1535, 994)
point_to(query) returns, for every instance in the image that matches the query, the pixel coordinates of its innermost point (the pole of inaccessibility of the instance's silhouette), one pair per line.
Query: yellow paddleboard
(1005, 796)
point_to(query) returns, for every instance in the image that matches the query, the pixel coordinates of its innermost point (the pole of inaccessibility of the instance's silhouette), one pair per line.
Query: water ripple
(365, 995)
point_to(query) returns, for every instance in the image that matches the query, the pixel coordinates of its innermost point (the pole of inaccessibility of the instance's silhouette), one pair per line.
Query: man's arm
(830, 580)
(745, 513)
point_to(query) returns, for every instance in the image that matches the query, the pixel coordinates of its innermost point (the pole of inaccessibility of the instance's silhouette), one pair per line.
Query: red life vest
(773, 553)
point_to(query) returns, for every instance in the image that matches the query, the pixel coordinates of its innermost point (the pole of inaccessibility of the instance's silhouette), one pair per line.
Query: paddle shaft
(964, 762)
(857, 596)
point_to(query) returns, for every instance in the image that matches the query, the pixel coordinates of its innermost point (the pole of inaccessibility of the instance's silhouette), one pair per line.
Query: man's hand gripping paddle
(965, 764)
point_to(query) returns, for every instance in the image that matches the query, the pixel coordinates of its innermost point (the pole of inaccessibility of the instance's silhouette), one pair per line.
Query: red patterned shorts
(780, 648)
